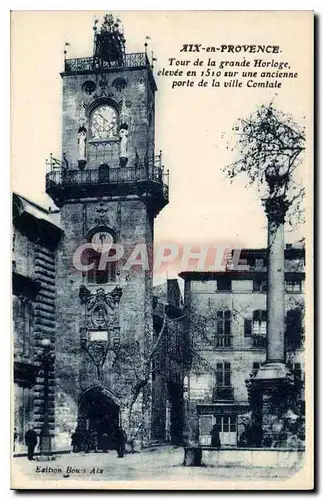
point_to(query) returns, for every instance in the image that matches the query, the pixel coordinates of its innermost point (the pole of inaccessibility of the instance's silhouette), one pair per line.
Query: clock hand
(104, 119)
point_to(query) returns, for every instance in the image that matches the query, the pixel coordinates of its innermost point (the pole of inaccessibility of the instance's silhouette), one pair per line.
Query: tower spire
(109, 41)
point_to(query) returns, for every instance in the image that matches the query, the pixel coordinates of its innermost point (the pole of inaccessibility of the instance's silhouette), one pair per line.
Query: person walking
(105, 442)
(76, 440)
(215, 440)
(94, 440)
(31, 442)
(121, 439)
(87, 441)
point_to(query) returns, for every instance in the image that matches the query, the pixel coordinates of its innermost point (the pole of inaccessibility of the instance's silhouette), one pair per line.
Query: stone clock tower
(109, 186)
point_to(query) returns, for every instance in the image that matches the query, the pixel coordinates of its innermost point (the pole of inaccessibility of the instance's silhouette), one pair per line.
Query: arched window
(100, 257)
(104, 122)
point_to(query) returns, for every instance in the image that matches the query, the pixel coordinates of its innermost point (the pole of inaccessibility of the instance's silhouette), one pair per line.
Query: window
(223, 323)
(102, 266)
(23, 311)
(299, 378)
(223, 374)
(294, 328)
(224, 284)
(297, 371)
(247, 327)
(259, 326)
(205, 427)
(28, 322)
(226, 423)
(205, 424)
(223, 329)
(294, 286)
(260, 285)
(97, 275)
(258, 263)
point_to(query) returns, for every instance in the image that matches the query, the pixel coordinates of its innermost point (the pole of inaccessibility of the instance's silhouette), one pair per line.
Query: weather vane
(66, 44)
(146, 44)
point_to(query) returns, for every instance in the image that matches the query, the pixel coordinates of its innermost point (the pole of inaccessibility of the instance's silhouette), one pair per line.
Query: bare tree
(129, 359)
(269, 146)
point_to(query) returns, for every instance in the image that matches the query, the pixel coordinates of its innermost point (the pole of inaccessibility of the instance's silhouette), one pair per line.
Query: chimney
(173, 292)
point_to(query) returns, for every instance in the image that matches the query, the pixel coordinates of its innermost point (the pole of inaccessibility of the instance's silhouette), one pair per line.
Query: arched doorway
(98, 416)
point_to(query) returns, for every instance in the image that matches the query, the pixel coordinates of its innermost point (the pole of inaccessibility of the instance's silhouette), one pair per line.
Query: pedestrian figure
(94, 441)
(76, 439)
(15, 438)
(121, 439)
(87, 441)
(31, 442)
(105, 442)
(215, 441)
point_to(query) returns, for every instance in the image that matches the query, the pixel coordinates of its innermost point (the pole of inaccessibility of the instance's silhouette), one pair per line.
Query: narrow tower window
(101, 257)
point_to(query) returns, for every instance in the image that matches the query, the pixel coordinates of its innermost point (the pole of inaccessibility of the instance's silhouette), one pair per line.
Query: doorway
(98, 417)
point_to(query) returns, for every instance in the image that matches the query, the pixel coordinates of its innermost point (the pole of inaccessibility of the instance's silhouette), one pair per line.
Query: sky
(193, 125)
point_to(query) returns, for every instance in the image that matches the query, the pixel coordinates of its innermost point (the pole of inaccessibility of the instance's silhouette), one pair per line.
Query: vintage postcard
(162, 250)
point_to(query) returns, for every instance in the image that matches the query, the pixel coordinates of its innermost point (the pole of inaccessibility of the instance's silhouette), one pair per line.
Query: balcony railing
(106, 175)
(223, 341)
(225, 393)
(259, 341)
(145, 179)
(138, 59)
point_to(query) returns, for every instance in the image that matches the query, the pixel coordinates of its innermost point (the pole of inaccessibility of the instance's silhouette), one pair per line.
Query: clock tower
(109, 186)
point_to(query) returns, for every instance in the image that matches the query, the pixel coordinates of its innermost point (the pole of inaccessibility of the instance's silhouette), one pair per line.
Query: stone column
(276, 293)
(274, 367)
(271, 387)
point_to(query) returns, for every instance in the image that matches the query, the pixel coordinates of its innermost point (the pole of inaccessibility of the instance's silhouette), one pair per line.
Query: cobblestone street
(162, 464)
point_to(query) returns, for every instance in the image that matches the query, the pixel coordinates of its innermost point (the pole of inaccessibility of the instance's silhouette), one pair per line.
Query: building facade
(168, 364)
(227, 325)
(36, 234)
(110, 186)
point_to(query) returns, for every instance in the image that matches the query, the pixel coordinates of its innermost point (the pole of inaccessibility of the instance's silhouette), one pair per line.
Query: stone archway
(98, 416)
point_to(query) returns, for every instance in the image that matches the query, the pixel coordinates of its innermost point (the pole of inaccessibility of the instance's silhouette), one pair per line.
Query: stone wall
(76, 372)
(33, 318)
(44, 321)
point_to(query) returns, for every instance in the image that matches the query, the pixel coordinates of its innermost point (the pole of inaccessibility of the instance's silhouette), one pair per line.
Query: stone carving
(84, 294)
(82, 140)
(82, 115)
(101, 307)
(101, 315)
(119, 84)
(124, 112)
(101, 211)
(89, 87)
(65, 162)
(103, 82)
(137, 160)
(123, 143)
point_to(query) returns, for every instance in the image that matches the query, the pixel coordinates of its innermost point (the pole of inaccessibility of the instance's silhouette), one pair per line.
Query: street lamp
(185, 409)
(47, 357)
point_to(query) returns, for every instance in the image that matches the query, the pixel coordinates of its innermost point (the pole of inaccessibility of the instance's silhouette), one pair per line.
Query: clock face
(104, 123)
(102, 241)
